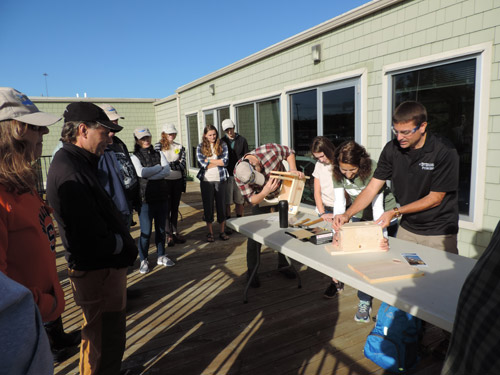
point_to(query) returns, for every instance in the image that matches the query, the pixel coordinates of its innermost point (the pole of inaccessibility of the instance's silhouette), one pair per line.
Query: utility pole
(46, 87)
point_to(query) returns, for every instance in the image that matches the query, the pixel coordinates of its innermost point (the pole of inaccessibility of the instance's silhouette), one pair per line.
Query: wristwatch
(396, 210)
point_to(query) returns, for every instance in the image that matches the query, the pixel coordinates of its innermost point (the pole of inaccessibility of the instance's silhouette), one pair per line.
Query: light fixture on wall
(316, 53)
(211, 89)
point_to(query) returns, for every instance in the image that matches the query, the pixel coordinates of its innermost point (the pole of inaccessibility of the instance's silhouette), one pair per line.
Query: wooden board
(335, 250)
(385, 270)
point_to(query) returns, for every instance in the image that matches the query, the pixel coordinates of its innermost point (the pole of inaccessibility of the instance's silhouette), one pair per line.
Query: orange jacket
(27, 249)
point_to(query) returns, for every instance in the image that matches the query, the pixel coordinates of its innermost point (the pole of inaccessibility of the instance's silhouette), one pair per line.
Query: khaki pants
(102, 296)
(446, 242)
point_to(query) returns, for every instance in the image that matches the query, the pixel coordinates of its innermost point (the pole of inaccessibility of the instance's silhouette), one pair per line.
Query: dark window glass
(209, 119)
(269, 121)
(338, 115)
(447, 91)
(304, 120)
(193, 140)
(222, 114)
(246, 123)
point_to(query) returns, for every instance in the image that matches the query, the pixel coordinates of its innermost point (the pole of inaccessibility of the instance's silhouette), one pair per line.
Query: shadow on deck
(190, 319)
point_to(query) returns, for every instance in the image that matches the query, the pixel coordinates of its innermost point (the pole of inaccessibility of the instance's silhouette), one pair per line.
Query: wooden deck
(190, 319)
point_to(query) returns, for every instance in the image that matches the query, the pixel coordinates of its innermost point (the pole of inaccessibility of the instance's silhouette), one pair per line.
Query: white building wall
(408, 32)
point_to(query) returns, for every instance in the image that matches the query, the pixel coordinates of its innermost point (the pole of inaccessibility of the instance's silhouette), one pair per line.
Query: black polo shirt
(415, 173)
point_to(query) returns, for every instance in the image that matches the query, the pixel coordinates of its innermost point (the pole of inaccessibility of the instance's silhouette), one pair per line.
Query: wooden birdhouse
(358, 237)
(292, 188)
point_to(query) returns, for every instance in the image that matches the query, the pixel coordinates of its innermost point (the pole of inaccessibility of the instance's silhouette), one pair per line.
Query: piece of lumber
(385, 270)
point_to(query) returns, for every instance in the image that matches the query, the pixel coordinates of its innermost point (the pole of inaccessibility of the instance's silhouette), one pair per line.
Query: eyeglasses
(36, 128)
(405, 133)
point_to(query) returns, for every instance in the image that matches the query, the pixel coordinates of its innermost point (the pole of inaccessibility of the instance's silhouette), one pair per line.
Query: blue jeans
(148, 212)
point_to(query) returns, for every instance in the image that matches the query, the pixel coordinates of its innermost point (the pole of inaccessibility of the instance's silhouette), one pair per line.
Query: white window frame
(482, 53)
(188, 140)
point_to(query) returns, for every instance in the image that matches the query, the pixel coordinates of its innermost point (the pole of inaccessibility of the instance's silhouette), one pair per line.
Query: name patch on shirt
(427, 166)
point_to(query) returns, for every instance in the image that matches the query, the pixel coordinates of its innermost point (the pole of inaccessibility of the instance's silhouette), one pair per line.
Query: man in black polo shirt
(424, 174)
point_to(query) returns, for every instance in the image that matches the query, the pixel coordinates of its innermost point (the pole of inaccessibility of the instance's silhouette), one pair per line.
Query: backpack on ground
(393, 343)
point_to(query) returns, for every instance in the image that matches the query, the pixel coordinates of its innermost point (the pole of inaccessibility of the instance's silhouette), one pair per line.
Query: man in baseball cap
(237, 146)
(89, 112)
(252, 175)
(97, 241)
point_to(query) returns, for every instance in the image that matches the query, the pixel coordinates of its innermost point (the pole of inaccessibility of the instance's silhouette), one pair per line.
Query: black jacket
(239, 149)
(91, 227)
(151, 190)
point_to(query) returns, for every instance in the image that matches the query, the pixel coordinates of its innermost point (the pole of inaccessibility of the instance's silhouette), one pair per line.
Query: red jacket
(27, 249)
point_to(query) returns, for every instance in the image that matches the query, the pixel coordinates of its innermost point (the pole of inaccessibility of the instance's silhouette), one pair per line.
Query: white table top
(432, 297)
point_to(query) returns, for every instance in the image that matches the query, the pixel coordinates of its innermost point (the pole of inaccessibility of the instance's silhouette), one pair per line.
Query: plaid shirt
(271, 156)
(223, 175)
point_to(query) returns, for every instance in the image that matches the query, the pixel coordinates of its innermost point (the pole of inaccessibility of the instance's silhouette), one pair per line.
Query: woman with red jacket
(27, 236)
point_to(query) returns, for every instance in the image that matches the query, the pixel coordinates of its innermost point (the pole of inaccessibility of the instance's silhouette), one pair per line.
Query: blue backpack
(393, 343)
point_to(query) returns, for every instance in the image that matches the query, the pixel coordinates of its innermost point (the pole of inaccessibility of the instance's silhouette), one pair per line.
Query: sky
(141, 48)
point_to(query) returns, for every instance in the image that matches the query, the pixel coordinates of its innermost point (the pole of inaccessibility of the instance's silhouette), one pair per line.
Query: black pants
(174, 192)
(211, 190)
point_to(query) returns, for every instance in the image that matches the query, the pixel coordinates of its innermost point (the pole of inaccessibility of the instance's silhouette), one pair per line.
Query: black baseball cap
(86, 111)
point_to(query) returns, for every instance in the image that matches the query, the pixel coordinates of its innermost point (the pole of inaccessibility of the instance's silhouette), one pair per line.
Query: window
(245, 116)
(222, 114)
(193, 139)
(448, 91)
(259, 122)
(215, 117)
(333, 111)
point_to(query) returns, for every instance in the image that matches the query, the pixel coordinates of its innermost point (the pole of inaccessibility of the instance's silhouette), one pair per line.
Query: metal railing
(42, 168)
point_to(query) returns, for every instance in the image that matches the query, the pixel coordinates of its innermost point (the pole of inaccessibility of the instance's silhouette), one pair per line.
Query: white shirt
(324, 173)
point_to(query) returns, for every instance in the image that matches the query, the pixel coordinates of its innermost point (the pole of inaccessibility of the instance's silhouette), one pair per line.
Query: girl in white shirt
(324, 197)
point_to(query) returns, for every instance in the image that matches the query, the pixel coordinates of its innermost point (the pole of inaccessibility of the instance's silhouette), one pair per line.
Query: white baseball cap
(169, 129)
(227, 123)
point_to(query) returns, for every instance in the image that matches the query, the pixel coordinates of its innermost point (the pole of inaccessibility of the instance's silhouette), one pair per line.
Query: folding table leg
(290, 264)
(252, 275)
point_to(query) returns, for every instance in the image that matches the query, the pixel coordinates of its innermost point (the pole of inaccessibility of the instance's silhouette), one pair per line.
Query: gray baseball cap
(111, 112)
(14, 105)
(247, 174)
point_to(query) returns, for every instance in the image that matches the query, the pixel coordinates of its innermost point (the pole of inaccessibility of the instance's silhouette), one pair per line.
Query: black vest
(151, 190)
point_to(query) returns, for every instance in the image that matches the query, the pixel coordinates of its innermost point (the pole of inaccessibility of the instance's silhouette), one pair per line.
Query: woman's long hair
(349, 152)
(16, 172)
(164, 142)
(205, 144)
(324, 145)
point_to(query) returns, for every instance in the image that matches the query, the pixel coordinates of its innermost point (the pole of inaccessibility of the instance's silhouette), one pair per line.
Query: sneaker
(144, 266)
(165, 261)
(331, 291)
(363, 313)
